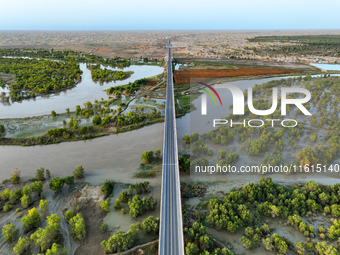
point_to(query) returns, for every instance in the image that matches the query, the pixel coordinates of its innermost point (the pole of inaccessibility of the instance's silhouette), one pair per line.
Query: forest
(65, 55)
(36, 225)
(314, 141)
(323, 45)
(39, 76)
(247, 210)
(105, 75)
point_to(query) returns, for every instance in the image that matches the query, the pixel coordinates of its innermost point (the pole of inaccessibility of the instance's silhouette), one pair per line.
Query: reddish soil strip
(184, 76)
(150, 83)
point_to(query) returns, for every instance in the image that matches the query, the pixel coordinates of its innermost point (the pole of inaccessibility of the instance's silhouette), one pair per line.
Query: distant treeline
(323, 45)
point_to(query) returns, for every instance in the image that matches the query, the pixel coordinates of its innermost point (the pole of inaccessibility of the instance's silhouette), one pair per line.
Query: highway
(171, 228)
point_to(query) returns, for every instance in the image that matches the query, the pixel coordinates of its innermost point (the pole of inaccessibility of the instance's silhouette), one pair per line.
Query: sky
(168, 15)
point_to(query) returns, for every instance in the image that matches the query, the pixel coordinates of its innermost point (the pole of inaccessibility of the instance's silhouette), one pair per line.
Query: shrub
(10, 232)
(147, 156)
(78, 228)
(56, 184)
(105, 205)
(15, 178)
(104, 228)
(78, 172)
(31, 220)
(40, 174)
(69, 215)
(107, 187)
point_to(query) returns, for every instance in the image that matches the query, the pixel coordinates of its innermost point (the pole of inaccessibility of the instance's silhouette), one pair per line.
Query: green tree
(97, 120)
(25, 201)
(120, 241)
(191, 249)
(56, 184)
(10, 232)
(117, 204)
(78, 228)
(105, 205)
(53, 113)
(37, 187)
(43, 205)
(45, 237)
(40, 174)
(22, 246)
(69, 180)
(48, 173)
(151, 225)
(78, 172)
(104, 228)
(186, 139)
(26, 190)
(107, 187)
(15, 177)
(147, 156)
(158, 153)
(123, 196)
(31, 220)
(69, 215)
(56, 250)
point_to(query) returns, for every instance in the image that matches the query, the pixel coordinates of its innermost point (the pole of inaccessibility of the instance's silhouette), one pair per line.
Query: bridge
(171, 227)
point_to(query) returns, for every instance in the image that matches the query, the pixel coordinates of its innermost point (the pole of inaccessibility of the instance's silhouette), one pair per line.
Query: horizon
(153, 15)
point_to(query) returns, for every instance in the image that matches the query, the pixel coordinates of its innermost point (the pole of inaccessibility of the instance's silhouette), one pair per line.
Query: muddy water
(118, 221)
(113, 157)
(118, 156)
(86, 90)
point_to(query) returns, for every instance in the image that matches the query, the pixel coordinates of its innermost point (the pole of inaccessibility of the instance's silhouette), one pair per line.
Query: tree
(307, 157)
(158, 153)
(26, 190)
(53, 113)
(48, 173)
(45, 237)
(222, 154)
(191, 249)
(117, 204)
(147, 156)
(15, 177)
(40, 174)
(107, 187)
(138, 206)
(43, 205)
(123, 196)
(78, 228)
(186, 139)
(120, 241)
(151, 225)
(31, 220)
(37, 187)
(22, 246)
(56, 184)
(104, 228)
(105, 205)
(56, 250)
(69, 215)
(78, 172)
(97, 120)
(25, 201)
(69, 180)
(10, 232)
(130, 191)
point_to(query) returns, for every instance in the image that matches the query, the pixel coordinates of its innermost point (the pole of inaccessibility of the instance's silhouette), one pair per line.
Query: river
(86, 90)
(114, 157)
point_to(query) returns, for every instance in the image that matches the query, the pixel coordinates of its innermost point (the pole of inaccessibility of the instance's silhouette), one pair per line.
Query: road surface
(171, 228)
